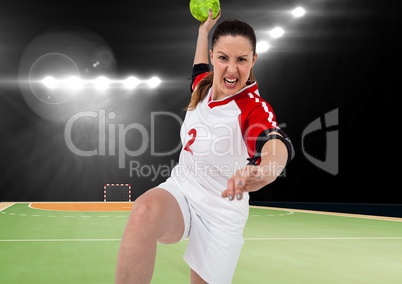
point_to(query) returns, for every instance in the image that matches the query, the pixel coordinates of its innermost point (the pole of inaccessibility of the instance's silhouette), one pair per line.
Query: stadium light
(102, 83)
(298, 12)
(153, 82)
(73, 83)
(99, 83)
(49, 82)
(262, 46)
(276, 32)
(131, 83)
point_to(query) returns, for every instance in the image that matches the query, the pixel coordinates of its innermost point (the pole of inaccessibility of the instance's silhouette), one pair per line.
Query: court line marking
(31, 206)
(273, 215)
(61, 240)
(6, 205)
(290, 211)
(324, 238)
(374, 217)
(246, 239)
(63, 216)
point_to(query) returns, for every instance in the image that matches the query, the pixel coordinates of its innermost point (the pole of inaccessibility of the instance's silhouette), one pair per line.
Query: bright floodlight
(276, 32)
(153, 82)
(73, 83)
(262, 46)
(49, 82)
(101, 83)
(131, 83)
(298, 12)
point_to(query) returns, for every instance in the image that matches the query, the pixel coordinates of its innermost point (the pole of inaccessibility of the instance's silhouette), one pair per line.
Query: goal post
(117, 192)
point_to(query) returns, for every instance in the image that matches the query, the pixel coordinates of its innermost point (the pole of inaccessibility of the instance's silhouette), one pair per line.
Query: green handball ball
(199, 9)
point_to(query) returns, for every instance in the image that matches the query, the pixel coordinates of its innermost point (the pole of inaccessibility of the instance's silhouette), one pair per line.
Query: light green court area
(282, 246)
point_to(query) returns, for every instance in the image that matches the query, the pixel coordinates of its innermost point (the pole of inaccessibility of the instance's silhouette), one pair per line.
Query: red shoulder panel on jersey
(198, 79)
(256, 116)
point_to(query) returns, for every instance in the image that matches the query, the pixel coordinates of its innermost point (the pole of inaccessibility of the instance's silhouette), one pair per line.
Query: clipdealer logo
(331, 162)
(330, 120)
(123, 151)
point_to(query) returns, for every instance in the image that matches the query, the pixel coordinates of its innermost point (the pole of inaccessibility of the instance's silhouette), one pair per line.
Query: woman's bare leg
(155, 216)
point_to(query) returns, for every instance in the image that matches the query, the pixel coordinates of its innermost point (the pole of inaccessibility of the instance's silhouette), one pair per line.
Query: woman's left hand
(248, 179)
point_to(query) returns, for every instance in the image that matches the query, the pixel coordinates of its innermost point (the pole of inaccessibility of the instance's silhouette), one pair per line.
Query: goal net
(117, 192)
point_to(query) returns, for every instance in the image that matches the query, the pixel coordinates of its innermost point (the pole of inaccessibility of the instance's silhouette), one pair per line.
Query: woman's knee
(156, 213)
(146, 209)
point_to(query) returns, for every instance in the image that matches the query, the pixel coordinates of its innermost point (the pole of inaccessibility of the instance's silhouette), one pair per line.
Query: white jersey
(217, 137)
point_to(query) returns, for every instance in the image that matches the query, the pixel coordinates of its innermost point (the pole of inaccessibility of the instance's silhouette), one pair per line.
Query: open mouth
(230, 81)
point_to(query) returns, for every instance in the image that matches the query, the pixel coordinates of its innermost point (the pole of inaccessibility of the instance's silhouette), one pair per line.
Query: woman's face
(232, 58)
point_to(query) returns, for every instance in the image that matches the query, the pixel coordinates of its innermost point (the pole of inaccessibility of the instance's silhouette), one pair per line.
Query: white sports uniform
(218, 137)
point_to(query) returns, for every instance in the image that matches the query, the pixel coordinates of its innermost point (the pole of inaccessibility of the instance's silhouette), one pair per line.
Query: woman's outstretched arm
(201, 50)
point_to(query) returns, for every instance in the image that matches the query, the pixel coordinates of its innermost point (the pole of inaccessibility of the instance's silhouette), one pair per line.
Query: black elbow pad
(266, 136)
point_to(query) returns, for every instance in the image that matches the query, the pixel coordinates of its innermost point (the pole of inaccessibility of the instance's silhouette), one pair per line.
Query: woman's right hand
(210, 22)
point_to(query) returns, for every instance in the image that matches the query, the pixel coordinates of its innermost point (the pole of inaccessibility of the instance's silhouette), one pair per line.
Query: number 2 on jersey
(193, 133)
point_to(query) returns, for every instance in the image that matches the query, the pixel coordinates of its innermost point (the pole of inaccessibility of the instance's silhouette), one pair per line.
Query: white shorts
(210, 252)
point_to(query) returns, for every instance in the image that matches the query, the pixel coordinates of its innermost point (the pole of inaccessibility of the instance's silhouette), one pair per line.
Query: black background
(343, 55)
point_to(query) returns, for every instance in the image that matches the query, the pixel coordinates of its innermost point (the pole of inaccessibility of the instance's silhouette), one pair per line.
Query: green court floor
(282, 246)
